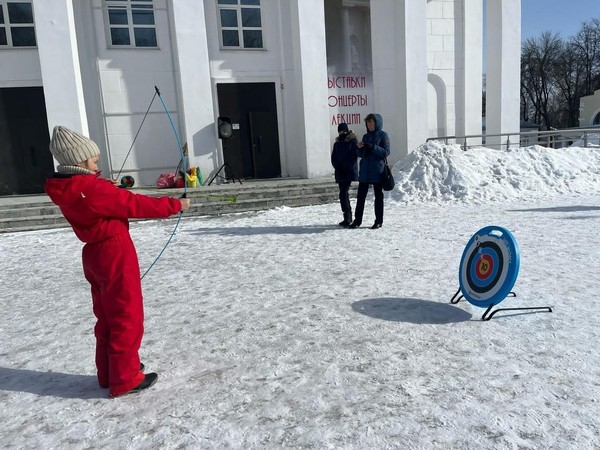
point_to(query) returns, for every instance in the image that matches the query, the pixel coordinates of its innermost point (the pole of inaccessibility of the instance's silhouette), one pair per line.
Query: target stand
(488, 270)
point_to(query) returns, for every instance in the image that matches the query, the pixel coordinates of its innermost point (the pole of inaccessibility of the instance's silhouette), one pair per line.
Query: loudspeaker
(224, 127)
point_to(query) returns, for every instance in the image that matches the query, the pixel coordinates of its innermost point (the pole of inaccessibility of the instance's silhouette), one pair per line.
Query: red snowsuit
(98, 212)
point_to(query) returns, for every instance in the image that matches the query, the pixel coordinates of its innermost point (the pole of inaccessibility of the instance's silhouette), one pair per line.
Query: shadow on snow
(411, 310)
(575, 208)
(50, 384)
(251, 230)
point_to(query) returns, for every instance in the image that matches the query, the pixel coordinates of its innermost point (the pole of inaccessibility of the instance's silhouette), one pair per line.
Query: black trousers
(361, 195)
(345, 199)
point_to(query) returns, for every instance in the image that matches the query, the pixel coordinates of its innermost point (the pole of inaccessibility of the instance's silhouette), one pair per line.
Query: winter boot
(347, 220)
(149, 380)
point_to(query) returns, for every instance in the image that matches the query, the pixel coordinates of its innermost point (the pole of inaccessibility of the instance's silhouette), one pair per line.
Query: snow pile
(445, 172)
(593, 139)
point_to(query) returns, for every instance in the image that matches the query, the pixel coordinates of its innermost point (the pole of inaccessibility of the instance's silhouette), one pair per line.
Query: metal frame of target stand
(485, 317)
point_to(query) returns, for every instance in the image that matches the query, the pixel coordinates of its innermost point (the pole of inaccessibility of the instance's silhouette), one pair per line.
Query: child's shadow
(51, 384)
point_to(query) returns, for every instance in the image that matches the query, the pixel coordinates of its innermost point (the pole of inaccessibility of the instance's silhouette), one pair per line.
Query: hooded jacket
(344, 158)
(375, 151)
(98, 210)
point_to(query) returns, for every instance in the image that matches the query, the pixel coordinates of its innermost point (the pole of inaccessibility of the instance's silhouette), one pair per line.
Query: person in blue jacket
(344, 160)
(373, 151)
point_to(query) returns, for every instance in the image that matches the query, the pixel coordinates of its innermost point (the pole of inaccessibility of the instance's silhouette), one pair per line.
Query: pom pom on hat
(71, 148)
(343, 127)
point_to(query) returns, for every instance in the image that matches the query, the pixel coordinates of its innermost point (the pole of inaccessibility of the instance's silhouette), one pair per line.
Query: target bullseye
(485, 264)
(489, 266)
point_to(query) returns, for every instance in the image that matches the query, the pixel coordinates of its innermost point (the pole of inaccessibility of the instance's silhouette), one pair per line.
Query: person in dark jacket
(344, 161)
(373, 151)
(98, 211)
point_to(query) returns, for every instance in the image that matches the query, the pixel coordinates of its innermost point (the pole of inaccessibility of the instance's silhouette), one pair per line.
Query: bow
(182, 162)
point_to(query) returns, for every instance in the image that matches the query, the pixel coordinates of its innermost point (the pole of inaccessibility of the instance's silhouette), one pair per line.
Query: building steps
(36, 212)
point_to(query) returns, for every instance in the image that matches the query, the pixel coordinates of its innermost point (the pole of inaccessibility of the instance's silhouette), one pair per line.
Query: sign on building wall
(347, 97)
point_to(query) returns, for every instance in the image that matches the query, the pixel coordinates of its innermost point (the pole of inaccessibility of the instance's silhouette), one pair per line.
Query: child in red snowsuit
(98, 212)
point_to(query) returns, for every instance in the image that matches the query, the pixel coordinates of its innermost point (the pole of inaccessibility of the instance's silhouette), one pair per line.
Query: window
(131, 23)
(16, 24)
(241, 24)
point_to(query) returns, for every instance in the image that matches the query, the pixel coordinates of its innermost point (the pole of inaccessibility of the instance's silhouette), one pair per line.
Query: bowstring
(184, 195)
(136, 135)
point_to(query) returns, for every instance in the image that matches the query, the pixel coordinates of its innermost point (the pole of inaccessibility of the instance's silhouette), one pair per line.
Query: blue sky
(562, 16)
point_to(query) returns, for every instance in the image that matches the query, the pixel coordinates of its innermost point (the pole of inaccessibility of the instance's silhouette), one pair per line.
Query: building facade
(284, 72)
(589, 110)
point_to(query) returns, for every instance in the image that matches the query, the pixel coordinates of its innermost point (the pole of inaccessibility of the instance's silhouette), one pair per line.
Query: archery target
(489, 266)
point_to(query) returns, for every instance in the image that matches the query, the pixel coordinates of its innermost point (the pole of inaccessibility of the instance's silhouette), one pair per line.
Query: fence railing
(582, 137)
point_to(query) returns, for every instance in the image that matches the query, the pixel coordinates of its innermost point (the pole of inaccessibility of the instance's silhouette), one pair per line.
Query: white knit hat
(70, 148)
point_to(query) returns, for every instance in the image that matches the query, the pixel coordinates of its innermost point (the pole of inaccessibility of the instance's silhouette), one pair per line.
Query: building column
(503, 80)
(310, 86)
(400, 71)
(192, 64)
(469, 69)
(59, 62)
(345, 38)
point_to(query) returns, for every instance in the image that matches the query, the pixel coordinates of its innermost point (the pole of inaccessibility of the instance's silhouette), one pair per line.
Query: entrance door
(253, 149)
(25, 160)
(265, 144)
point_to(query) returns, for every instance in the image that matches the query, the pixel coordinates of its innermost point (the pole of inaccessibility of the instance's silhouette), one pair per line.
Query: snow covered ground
(280, 329)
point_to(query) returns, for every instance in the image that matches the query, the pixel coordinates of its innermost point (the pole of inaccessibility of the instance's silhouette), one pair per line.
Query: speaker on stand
(225, 130)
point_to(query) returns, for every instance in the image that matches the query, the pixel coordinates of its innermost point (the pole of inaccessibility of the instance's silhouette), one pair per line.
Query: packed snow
(281, 329)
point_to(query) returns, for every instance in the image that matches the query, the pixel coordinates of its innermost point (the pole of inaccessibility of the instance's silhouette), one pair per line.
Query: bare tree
(555, 74)
(539, 57)
(586, 46)
(483, 94)
(569, 75)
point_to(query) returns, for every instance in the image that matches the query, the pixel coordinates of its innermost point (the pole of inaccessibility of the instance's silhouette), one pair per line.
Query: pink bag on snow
(165, 180)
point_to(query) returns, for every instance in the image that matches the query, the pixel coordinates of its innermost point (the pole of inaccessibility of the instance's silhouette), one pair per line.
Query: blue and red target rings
(489, 266)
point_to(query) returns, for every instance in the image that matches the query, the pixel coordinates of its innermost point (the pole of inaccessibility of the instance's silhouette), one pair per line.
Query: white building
(589, 110)
(285, 71)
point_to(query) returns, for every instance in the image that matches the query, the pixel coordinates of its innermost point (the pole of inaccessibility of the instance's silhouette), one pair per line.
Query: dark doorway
(25, 160)
(253, 149)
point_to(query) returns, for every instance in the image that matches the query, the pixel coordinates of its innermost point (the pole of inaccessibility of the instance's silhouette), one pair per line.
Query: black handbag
(387, 179)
